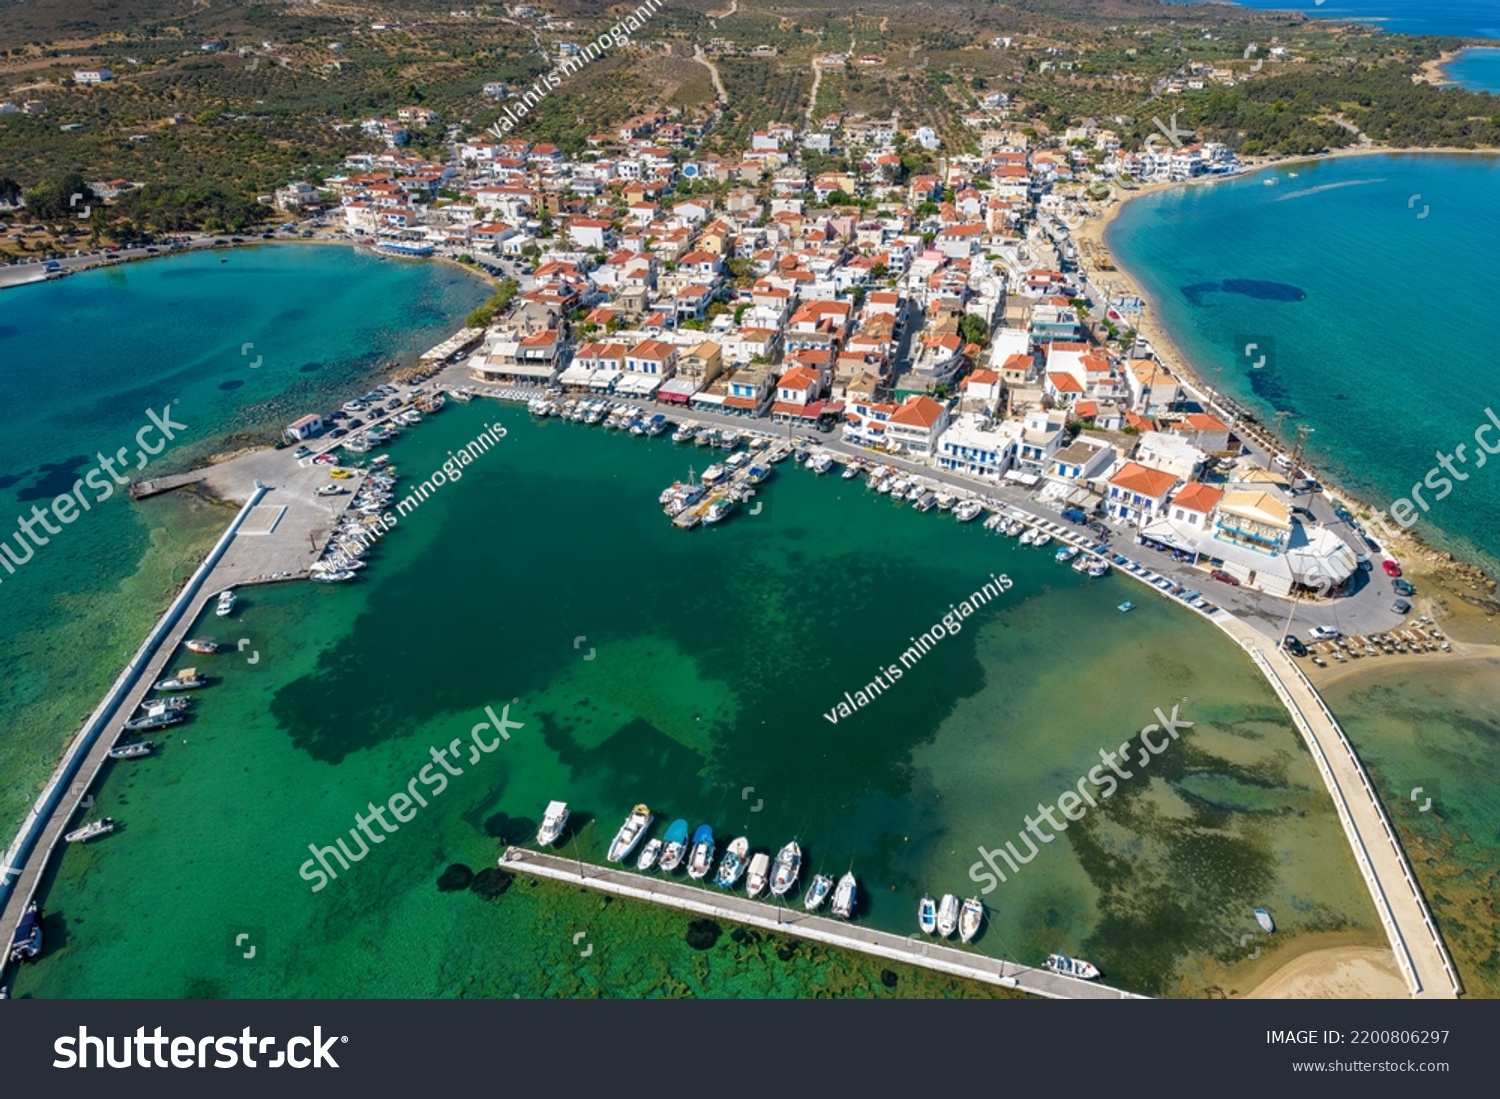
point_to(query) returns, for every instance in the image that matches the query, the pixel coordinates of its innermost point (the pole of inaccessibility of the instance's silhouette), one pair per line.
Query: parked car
(1294, 646)
(301, 452)
(1401, 606)
(1324, 633)
(1391, 568)
(1401, 587)
(1224, 578)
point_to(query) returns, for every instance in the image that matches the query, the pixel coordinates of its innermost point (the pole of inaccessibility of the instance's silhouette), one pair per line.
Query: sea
(1463, 18)
(691, 671)
(1477, 69)
(231, 343)
(1358, 279)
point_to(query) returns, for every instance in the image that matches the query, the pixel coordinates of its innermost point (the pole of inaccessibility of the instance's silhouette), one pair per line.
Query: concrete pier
(916, 949)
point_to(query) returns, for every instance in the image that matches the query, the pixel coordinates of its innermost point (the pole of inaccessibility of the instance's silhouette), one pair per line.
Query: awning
(577, 375)
(677, 390)
(1021, 478)
(603, 379)
(1175, 535)
(716, 400)
(643, 384)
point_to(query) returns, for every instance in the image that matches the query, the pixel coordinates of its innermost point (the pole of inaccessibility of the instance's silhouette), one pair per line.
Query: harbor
(913, 950)
(298, 519)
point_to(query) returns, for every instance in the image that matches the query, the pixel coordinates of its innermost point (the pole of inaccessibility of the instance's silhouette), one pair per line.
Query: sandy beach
(1335, 973)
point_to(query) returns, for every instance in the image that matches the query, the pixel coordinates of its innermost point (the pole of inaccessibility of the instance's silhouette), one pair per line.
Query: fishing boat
(844, 896)
(970, 919)
(1065, 966)
(821, 464)
(946, 500)
(554, 820)
(759, 875)
(947, 918)
(674, 846)
(788, 866)
(1126, 606)
(702, 857)
(732, 865)
(756, 474)
(718, 509)
(738, 459)
(817, 892)
(201, 645)
(714, 474)
(967, 511)
(649, 854)
(1041, 539)
(630, 833)
(776, 457)
(226, 603)
(186, 680)
(1081, 564)
(927, 914)
(26, 944)
(852, 470)
(132, 751)
(684, 434)
(706, 437)
(1028, 536)
(1065, 554)
(1263, 918)
(102, 827)
(158, 717)
(1099, 568)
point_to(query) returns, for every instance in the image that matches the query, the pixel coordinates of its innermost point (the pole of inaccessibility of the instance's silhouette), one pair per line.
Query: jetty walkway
(918, 950)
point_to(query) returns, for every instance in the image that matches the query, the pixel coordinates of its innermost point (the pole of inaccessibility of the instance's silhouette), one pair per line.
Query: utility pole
(1303, 431)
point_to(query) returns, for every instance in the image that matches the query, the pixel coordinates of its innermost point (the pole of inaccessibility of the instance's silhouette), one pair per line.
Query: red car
(1391, 568)
(1224, 577)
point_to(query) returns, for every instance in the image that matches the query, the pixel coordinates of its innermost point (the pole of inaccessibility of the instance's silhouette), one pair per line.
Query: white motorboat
(844, 897)
(947, 917)
(817, 892)
(225, 606)
(649, 854)
(630, 833)
(554, 820)
(967, 511)
(100, 827)
(788, 866)
(970, 918)
(759, 874)
(1065, 966)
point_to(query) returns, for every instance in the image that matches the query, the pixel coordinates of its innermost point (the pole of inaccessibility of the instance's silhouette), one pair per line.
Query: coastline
(1321, 970)
(1194, 377)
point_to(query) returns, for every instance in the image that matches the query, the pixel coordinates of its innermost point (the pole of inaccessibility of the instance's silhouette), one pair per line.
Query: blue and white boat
(732, 865)
(1126, 606)
(1263, 918)
(702, 857)
(817, 892)
(27, 943)
(927, 914)
(674, 846)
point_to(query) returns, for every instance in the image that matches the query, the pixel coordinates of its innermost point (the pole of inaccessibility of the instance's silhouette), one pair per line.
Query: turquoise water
(1477, 69)
(1468, 18)
(690, 671)
(1363, 281)
(85, 358)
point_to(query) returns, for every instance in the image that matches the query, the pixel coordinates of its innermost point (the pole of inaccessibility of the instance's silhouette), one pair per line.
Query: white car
(1324, 633)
